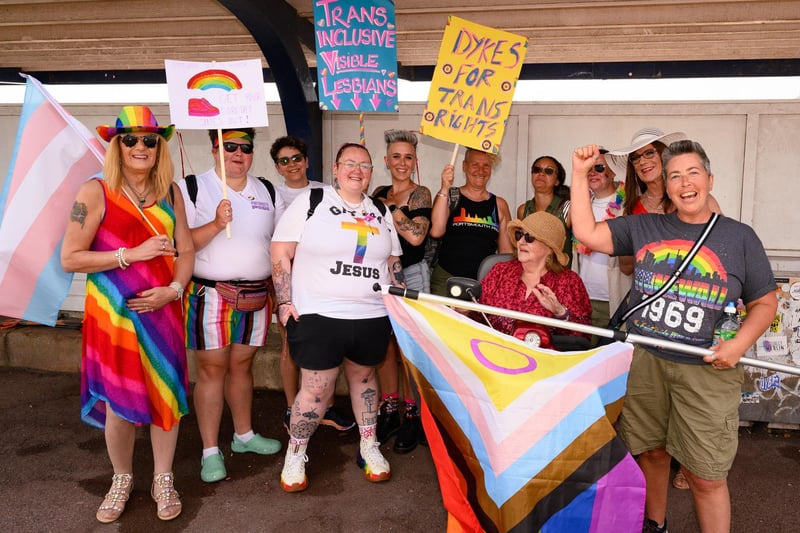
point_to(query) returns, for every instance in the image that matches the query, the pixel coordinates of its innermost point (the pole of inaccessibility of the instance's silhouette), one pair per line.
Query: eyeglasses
(547, 170)
(296, 158)
(351, 165)
(599, 168)
(231, 147)
(649, 154)
(518, 234)
(150, 141)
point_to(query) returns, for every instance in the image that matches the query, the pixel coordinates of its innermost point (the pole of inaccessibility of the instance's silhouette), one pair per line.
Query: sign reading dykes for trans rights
(473, 85)
(356, 55)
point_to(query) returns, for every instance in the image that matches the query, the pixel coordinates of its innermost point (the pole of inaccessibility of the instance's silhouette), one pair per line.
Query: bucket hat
(618, 159)
(135, 118)
(546, 228)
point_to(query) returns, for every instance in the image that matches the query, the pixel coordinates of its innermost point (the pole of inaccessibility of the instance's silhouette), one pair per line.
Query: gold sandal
(167, 498)
(114, 502)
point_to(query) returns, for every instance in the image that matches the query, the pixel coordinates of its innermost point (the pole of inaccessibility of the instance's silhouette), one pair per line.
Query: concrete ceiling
(92, 40)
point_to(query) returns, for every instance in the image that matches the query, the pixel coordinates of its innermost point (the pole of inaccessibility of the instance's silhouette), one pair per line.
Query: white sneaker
(372, 462)
(293, 475)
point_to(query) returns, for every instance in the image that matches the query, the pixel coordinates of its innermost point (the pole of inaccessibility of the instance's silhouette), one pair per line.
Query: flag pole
(622, 336)
(224, 177)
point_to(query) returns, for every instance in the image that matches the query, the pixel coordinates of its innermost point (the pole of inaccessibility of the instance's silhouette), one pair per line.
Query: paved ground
(54, 472)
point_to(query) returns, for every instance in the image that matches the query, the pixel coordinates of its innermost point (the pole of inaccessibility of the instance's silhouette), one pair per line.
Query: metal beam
(275, 26)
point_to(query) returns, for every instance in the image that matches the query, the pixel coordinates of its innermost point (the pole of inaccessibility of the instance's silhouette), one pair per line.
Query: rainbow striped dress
(136, 363)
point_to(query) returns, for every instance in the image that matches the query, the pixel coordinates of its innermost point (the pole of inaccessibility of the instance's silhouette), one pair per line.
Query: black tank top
(470, 236)
(411, 254)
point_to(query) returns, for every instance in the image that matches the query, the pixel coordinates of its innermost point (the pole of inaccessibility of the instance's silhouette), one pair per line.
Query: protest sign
(473, 85)
(356, 55)
(216, 95)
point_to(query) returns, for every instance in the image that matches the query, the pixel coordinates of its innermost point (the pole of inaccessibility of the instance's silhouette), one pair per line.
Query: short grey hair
(684, 147)
(400, 136)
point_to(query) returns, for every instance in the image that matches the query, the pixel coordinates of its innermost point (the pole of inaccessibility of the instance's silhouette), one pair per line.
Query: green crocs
(212, 469)
(258, 444)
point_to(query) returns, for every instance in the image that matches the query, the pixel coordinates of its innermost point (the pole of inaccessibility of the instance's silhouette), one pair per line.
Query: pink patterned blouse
(503, 287)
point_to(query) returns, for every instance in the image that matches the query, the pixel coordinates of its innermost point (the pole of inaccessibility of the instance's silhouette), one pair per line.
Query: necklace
(141, 196)
(347, 206)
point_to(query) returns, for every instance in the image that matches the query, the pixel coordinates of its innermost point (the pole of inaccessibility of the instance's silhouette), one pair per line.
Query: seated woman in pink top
(537, 280)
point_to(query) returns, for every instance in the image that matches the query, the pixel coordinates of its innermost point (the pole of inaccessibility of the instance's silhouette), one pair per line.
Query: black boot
(408, 436)
(388, 422)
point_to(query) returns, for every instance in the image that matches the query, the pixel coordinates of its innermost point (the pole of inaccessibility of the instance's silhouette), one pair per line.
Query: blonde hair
(493, 158)
(161, 175)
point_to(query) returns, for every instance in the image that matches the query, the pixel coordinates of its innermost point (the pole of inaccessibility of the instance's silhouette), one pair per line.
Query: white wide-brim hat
(618, 159)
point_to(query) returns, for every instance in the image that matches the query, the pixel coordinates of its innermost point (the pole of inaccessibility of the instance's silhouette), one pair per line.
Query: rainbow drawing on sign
(214, 79)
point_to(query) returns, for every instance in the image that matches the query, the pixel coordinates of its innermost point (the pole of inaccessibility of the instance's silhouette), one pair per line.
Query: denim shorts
(418, 277)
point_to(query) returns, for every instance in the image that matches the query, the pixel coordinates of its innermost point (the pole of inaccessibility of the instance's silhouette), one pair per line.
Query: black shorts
(320, 343)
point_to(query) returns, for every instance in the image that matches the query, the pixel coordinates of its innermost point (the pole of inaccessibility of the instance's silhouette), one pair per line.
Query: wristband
(287, 302)
(177, 287)
(443, 195)
(564, 315)
(120, 255)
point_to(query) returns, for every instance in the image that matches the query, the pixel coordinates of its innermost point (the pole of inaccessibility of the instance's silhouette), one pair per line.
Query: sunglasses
(649, 154)
(150, 141)
(518, 234)
(231, 147)
(547, 170)
(296, 158)
(599, 168)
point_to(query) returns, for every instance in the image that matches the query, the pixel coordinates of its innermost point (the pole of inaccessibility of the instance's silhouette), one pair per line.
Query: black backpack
(191, 187)
(316, 198)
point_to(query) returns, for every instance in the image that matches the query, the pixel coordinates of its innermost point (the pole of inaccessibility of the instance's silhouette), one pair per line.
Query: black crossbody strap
(678, 271)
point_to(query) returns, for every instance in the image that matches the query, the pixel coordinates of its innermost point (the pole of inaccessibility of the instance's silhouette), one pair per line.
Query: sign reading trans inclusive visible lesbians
(356, 55)
(216, 95)
(473, 85)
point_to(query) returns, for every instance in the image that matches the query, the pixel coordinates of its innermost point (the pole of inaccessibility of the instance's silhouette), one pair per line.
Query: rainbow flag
(522, 438)
(53, 155)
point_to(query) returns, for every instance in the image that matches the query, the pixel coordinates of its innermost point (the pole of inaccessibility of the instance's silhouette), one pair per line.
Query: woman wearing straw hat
(128, 232)
(680, 405)
(641, 164)
(537, 281)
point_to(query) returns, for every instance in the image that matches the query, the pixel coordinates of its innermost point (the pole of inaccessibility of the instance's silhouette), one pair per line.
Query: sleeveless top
(411, 254)
(471, 235)
(134, 362)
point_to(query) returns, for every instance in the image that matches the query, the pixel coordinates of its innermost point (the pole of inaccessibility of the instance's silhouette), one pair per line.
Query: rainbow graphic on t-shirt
(214, 79)
(464, 217)
(703, 283)
(363, 230)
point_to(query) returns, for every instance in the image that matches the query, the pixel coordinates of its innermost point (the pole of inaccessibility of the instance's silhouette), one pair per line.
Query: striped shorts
(211, 323)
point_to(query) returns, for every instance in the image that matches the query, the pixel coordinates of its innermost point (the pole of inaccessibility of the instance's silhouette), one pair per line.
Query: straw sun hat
(135, 118)
(546, 228)
(618, 159)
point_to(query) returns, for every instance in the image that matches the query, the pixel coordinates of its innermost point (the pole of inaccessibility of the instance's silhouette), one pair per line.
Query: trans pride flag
(53, 155)
(522, 438)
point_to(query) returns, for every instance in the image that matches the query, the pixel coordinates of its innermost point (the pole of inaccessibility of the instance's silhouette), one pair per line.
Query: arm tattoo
(396, 271)
(282, 280)
(418, 199)
(78, 214)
